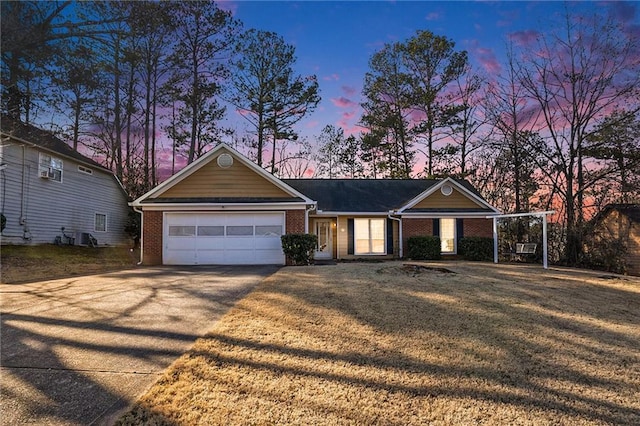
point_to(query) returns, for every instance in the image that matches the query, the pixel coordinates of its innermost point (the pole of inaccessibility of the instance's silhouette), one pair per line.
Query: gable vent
(446, 189)
(225, 161)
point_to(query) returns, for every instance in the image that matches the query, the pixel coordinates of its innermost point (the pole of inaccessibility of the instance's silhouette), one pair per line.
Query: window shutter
(459, 230)
(389, 236)
(350, 236)
(436, 227)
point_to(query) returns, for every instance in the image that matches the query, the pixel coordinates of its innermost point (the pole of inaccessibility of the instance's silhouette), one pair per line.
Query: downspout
(400, 251)
(311, 207)
(135, 209)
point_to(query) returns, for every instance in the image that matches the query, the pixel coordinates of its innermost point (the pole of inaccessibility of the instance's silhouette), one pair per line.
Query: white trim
(473, 197)
(206, 159)
(321, 213)
(231, 207)
(461, 215)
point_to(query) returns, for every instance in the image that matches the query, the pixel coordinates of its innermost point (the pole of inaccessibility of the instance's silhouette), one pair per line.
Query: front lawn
(391, 344)
(29, 263)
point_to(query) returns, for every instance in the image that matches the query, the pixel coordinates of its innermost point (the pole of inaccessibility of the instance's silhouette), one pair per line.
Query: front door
(324, 249)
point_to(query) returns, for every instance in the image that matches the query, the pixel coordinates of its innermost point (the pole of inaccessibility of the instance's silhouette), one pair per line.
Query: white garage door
(223, 239)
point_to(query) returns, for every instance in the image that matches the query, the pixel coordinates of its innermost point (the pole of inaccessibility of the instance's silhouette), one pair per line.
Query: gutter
(137, 210)
(400, 251)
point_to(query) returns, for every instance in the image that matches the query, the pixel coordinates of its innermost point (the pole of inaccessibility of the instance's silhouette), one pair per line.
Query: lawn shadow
(543, 331)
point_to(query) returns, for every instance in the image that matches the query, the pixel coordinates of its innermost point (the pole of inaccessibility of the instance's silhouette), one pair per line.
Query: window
(448, 235)
(369, 236)
(182, 231)
(100, 224)
(210, 231)
(50, 167)
(85, 170)
(239, 231)
(268, 230)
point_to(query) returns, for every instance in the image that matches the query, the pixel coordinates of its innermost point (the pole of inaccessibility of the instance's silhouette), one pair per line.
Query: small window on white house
(50, 167)
(369, 236)
(85, 170)
(100, 223)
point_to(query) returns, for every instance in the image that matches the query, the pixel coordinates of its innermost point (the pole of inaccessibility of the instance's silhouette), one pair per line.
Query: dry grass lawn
(30, 263)
(390, 344)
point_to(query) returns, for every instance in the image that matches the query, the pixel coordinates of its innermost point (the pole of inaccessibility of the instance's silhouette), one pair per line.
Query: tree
(387, 107)
(330, 142)
(76, 81)
(32, 34)
(615, 145)
(465, 126)
(153, 27)
(432, 64)
(262, 59)
(574, 78)
(294, 97)
(203, 46)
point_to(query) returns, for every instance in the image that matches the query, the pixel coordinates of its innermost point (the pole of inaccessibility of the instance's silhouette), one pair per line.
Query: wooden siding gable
(459, 198)
(207, 179)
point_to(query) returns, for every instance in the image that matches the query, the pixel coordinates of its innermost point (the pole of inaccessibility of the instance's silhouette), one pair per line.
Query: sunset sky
(334, 40)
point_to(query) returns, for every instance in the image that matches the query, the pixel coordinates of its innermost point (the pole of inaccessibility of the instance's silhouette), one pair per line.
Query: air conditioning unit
(47, 174)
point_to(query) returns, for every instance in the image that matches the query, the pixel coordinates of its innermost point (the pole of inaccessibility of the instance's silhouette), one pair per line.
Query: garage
(223, 238)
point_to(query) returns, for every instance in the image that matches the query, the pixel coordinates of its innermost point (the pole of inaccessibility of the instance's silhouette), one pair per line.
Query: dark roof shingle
(43, 139)
(364, 195)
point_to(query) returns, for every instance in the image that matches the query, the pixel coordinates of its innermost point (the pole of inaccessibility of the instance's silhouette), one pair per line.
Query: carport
(543, 215)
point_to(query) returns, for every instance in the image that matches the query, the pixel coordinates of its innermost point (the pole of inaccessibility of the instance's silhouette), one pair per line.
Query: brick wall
(478, 228)
(152, 238)
(294, 222)
(415, 228)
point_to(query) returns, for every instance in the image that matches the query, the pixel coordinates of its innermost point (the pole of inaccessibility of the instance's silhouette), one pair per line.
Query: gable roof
(43, 139)
(632, 211)
(371, 195)
(203, 161)
(461, 185)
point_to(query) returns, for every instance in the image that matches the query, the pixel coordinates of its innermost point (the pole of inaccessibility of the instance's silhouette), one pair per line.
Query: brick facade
(152, 238)
(472, 227)
(478, 228)
(294, 222)
(414, 228)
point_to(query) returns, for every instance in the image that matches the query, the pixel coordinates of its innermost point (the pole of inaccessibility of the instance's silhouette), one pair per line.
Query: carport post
(544, 242)
(495, 239)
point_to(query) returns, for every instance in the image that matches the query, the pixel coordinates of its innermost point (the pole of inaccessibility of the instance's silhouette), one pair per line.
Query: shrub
(476, 248)
(424, 248)
(299, 248)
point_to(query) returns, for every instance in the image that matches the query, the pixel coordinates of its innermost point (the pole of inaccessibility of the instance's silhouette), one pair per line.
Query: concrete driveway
(80, 350)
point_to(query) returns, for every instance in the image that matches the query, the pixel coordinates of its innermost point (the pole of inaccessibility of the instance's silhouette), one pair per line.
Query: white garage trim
(213, 238)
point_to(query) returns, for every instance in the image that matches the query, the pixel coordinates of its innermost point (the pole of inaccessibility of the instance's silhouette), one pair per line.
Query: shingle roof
(364, 195)
(42, 138)
(632, 211)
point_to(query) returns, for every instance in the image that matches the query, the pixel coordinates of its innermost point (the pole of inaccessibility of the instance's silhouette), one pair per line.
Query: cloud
(343, 102)
(332, 77)
(488, 61)
(433, 16)
(349, 90)
(524, 38)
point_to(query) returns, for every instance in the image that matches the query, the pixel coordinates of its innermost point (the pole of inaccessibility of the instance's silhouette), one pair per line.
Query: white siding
(47, 205)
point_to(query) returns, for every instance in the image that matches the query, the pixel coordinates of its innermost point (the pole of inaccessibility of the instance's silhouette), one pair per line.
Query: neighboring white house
(45, 185)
